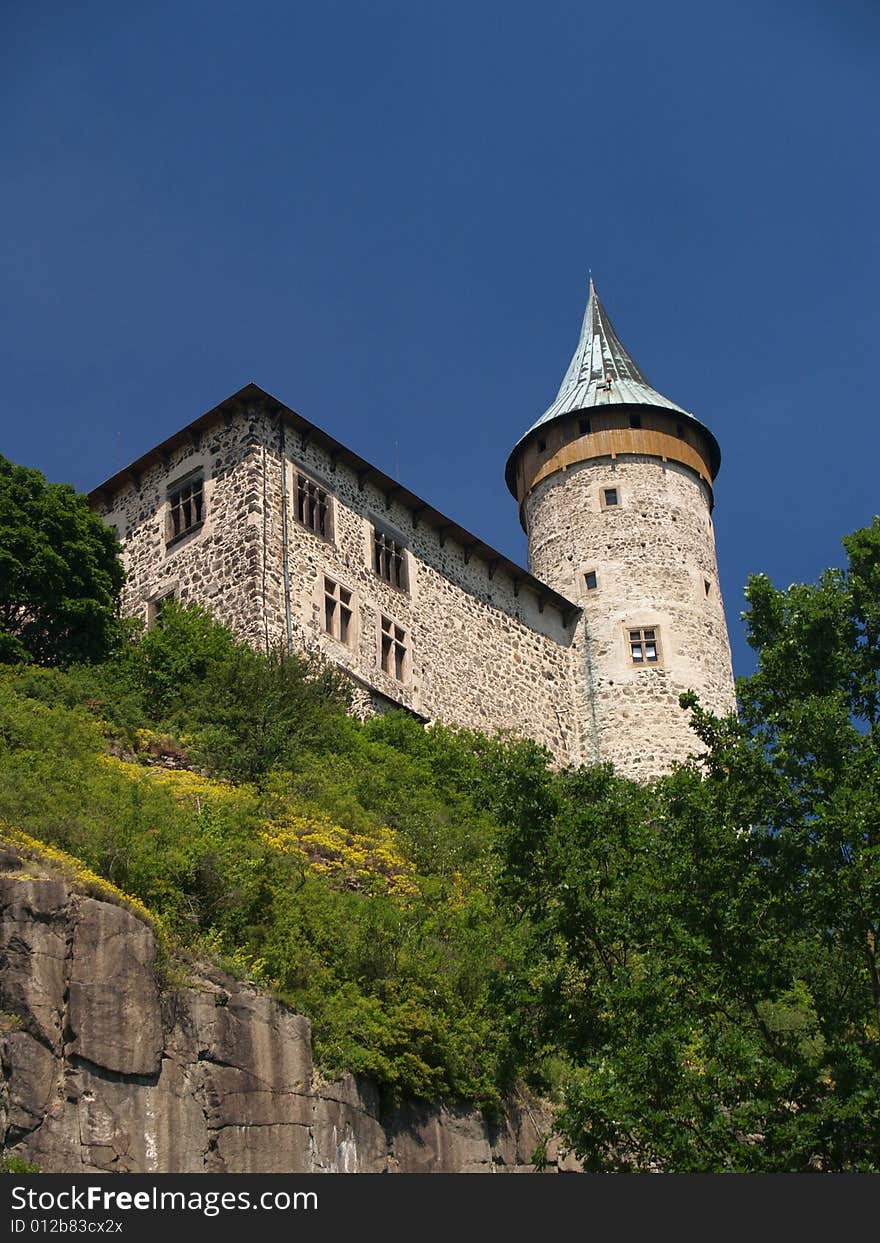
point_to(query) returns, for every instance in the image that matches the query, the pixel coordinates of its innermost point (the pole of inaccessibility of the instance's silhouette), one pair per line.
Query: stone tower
(614, 485)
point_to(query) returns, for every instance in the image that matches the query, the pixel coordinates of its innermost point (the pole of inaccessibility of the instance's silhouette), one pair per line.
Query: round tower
(614, 485)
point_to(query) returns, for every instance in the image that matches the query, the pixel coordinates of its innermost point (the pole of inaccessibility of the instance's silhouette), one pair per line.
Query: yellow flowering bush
(76, 872)
(152, 742)
(360, 861)
(183, 784)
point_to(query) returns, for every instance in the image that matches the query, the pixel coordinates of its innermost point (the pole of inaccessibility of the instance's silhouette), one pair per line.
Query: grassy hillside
(349, 868)
(694, 965)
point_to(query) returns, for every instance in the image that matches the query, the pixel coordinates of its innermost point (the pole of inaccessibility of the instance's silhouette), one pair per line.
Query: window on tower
(644, 645)
(591, 582)
(610, 498)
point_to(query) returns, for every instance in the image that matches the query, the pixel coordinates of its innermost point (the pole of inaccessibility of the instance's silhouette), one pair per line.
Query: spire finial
(601, 371)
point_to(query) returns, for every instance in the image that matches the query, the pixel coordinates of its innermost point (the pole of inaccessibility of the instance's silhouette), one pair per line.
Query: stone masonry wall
(479, 654)
(103, 1071)
(219, 565)
(654, 558)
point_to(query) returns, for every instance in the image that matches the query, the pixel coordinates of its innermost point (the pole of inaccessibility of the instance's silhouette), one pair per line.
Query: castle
(293, 540)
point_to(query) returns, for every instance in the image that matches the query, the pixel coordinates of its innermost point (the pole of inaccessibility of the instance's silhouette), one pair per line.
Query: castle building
(295, 541)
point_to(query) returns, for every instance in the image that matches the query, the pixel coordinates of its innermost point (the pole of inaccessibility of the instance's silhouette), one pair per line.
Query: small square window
(394, 651)
(635, 420)
(610, 498)
(590, 580)
(338, 611)
(389, 560)
(186, 508)
(585, 427)
(644, 646)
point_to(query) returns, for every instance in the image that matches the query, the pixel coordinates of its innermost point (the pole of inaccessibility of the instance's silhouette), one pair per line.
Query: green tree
(60, 574)
(242, 711)
(257, 711)
(813, 706)
(705, 950)
(168, 664)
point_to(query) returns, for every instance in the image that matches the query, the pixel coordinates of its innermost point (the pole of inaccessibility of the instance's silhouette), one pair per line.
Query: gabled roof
(603, 373)
(422, 512)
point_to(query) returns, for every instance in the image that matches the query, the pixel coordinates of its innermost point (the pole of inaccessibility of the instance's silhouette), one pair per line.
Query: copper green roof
(603, 373)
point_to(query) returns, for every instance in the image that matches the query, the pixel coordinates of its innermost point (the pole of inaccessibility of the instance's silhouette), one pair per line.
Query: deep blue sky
(384, 213)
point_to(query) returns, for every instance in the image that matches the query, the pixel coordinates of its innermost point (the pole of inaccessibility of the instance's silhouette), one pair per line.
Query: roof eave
(532, 433)
(421, 510)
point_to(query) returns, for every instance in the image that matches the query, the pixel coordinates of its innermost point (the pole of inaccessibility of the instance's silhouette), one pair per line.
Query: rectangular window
(395, 650)
(186, 508)
(155, 607)
(635, 420)
(312, 507)
(389, 560)
(584, 427)
(609, 497)
(338, 609)
(591, 581)
(644, 646)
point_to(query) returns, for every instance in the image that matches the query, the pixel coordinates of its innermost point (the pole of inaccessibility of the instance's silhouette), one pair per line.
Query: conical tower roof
(603, 373)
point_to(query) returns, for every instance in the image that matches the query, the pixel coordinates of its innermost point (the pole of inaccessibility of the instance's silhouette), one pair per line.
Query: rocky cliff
(103, 1070)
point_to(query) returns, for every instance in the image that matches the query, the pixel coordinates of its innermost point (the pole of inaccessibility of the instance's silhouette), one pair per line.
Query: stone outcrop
(104, 1071)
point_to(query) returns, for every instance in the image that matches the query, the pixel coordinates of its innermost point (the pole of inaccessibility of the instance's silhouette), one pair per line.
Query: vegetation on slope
(690, 968)
(710, 945)
(351, 872)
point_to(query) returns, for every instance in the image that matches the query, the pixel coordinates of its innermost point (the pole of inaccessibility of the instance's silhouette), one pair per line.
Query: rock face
(102, 1071)
(112, 998)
